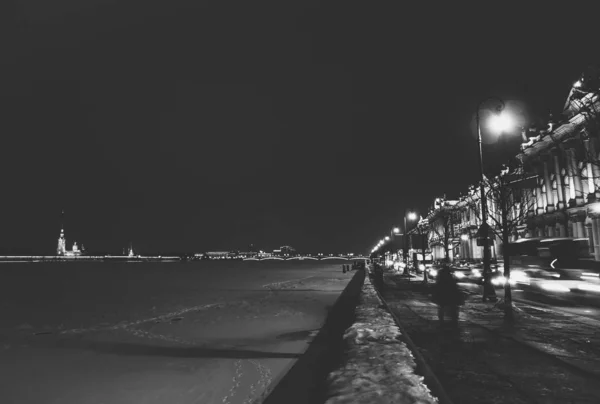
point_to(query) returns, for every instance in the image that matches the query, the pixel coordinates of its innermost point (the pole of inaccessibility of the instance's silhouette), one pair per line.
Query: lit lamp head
(577, 84)
(464, 237)
(501, 122)
(396, 230)
(411, 216)
(387, 238)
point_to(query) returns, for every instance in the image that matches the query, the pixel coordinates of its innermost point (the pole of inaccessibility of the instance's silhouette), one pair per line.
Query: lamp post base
(489, 293)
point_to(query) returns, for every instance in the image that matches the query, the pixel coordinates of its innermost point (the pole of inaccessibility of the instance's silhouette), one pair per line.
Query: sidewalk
(547, 357)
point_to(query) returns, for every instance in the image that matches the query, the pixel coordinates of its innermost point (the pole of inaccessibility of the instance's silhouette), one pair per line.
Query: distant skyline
(211, 126)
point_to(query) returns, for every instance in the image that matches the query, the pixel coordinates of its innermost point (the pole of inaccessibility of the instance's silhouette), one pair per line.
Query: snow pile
(378, 368)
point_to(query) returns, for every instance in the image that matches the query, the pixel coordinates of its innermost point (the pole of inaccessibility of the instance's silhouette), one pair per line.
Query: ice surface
(379, 367)
(156, 333)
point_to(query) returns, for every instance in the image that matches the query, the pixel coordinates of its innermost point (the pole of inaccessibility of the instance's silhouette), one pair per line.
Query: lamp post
(500, 123)
(394, 232)
(409, 216)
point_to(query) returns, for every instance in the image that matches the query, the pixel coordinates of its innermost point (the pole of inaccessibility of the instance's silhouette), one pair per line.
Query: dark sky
(204, 125)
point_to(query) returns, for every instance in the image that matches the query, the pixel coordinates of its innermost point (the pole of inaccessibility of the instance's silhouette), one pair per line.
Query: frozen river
(201, 332)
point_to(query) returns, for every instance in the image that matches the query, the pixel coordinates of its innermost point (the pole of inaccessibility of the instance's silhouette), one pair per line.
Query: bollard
(344, 268)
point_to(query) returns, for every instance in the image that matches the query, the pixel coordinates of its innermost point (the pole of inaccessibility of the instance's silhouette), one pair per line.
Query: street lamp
(409, 216)
(500, 122)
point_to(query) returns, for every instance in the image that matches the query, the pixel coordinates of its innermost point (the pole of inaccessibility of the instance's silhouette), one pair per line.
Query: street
(568, 303)
(550, 354)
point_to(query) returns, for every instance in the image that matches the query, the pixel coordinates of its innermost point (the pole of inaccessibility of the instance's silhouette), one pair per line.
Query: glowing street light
(396, 230)
(464, 237)
(577, 84)
(407, 216)
(502, 122)
(387, 238)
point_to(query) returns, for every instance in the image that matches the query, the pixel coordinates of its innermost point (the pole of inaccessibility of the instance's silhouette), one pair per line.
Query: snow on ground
(378, 367)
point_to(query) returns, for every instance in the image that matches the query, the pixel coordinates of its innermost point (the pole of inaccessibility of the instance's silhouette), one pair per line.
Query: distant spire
(62, 243)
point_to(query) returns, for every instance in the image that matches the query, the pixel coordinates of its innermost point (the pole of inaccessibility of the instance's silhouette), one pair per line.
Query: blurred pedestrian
(447, 295)
(378, 278)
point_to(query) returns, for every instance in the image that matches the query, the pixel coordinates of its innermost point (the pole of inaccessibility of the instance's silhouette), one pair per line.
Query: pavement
(546, 356)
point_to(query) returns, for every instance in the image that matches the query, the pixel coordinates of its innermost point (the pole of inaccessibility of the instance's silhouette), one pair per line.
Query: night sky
(211, 125)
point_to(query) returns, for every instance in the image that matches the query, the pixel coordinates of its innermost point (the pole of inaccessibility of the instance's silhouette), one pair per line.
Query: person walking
(378, 276)
(447, 295)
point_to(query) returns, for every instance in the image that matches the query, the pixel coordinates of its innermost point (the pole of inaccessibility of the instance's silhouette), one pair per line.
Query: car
(432, 270)
(473, 272)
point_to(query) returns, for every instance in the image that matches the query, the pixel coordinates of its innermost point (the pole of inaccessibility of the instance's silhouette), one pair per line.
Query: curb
(301, 383)
(431, 379)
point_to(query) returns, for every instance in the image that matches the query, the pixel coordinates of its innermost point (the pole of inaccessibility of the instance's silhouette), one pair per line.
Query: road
(547, 357)
(199, 332)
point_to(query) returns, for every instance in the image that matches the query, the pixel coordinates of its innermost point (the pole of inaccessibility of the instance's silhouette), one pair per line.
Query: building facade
(557, 177)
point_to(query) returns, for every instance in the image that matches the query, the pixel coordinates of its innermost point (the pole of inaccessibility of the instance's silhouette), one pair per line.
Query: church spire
(62, 243)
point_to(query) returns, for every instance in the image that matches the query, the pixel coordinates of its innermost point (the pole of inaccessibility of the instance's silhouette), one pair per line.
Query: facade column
(576, 233)
(476, 249)
(590, 236)
(570, 225)
(548, 183)
(580, 228)
(550, 225)
(595, 232)
(561, 221)
(592, 165)
(468, 249)
(574, 176)
(539, 196)
(561, 203)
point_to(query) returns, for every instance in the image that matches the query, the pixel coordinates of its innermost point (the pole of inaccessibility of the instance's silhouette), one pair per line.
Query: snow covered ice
(90, 333)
